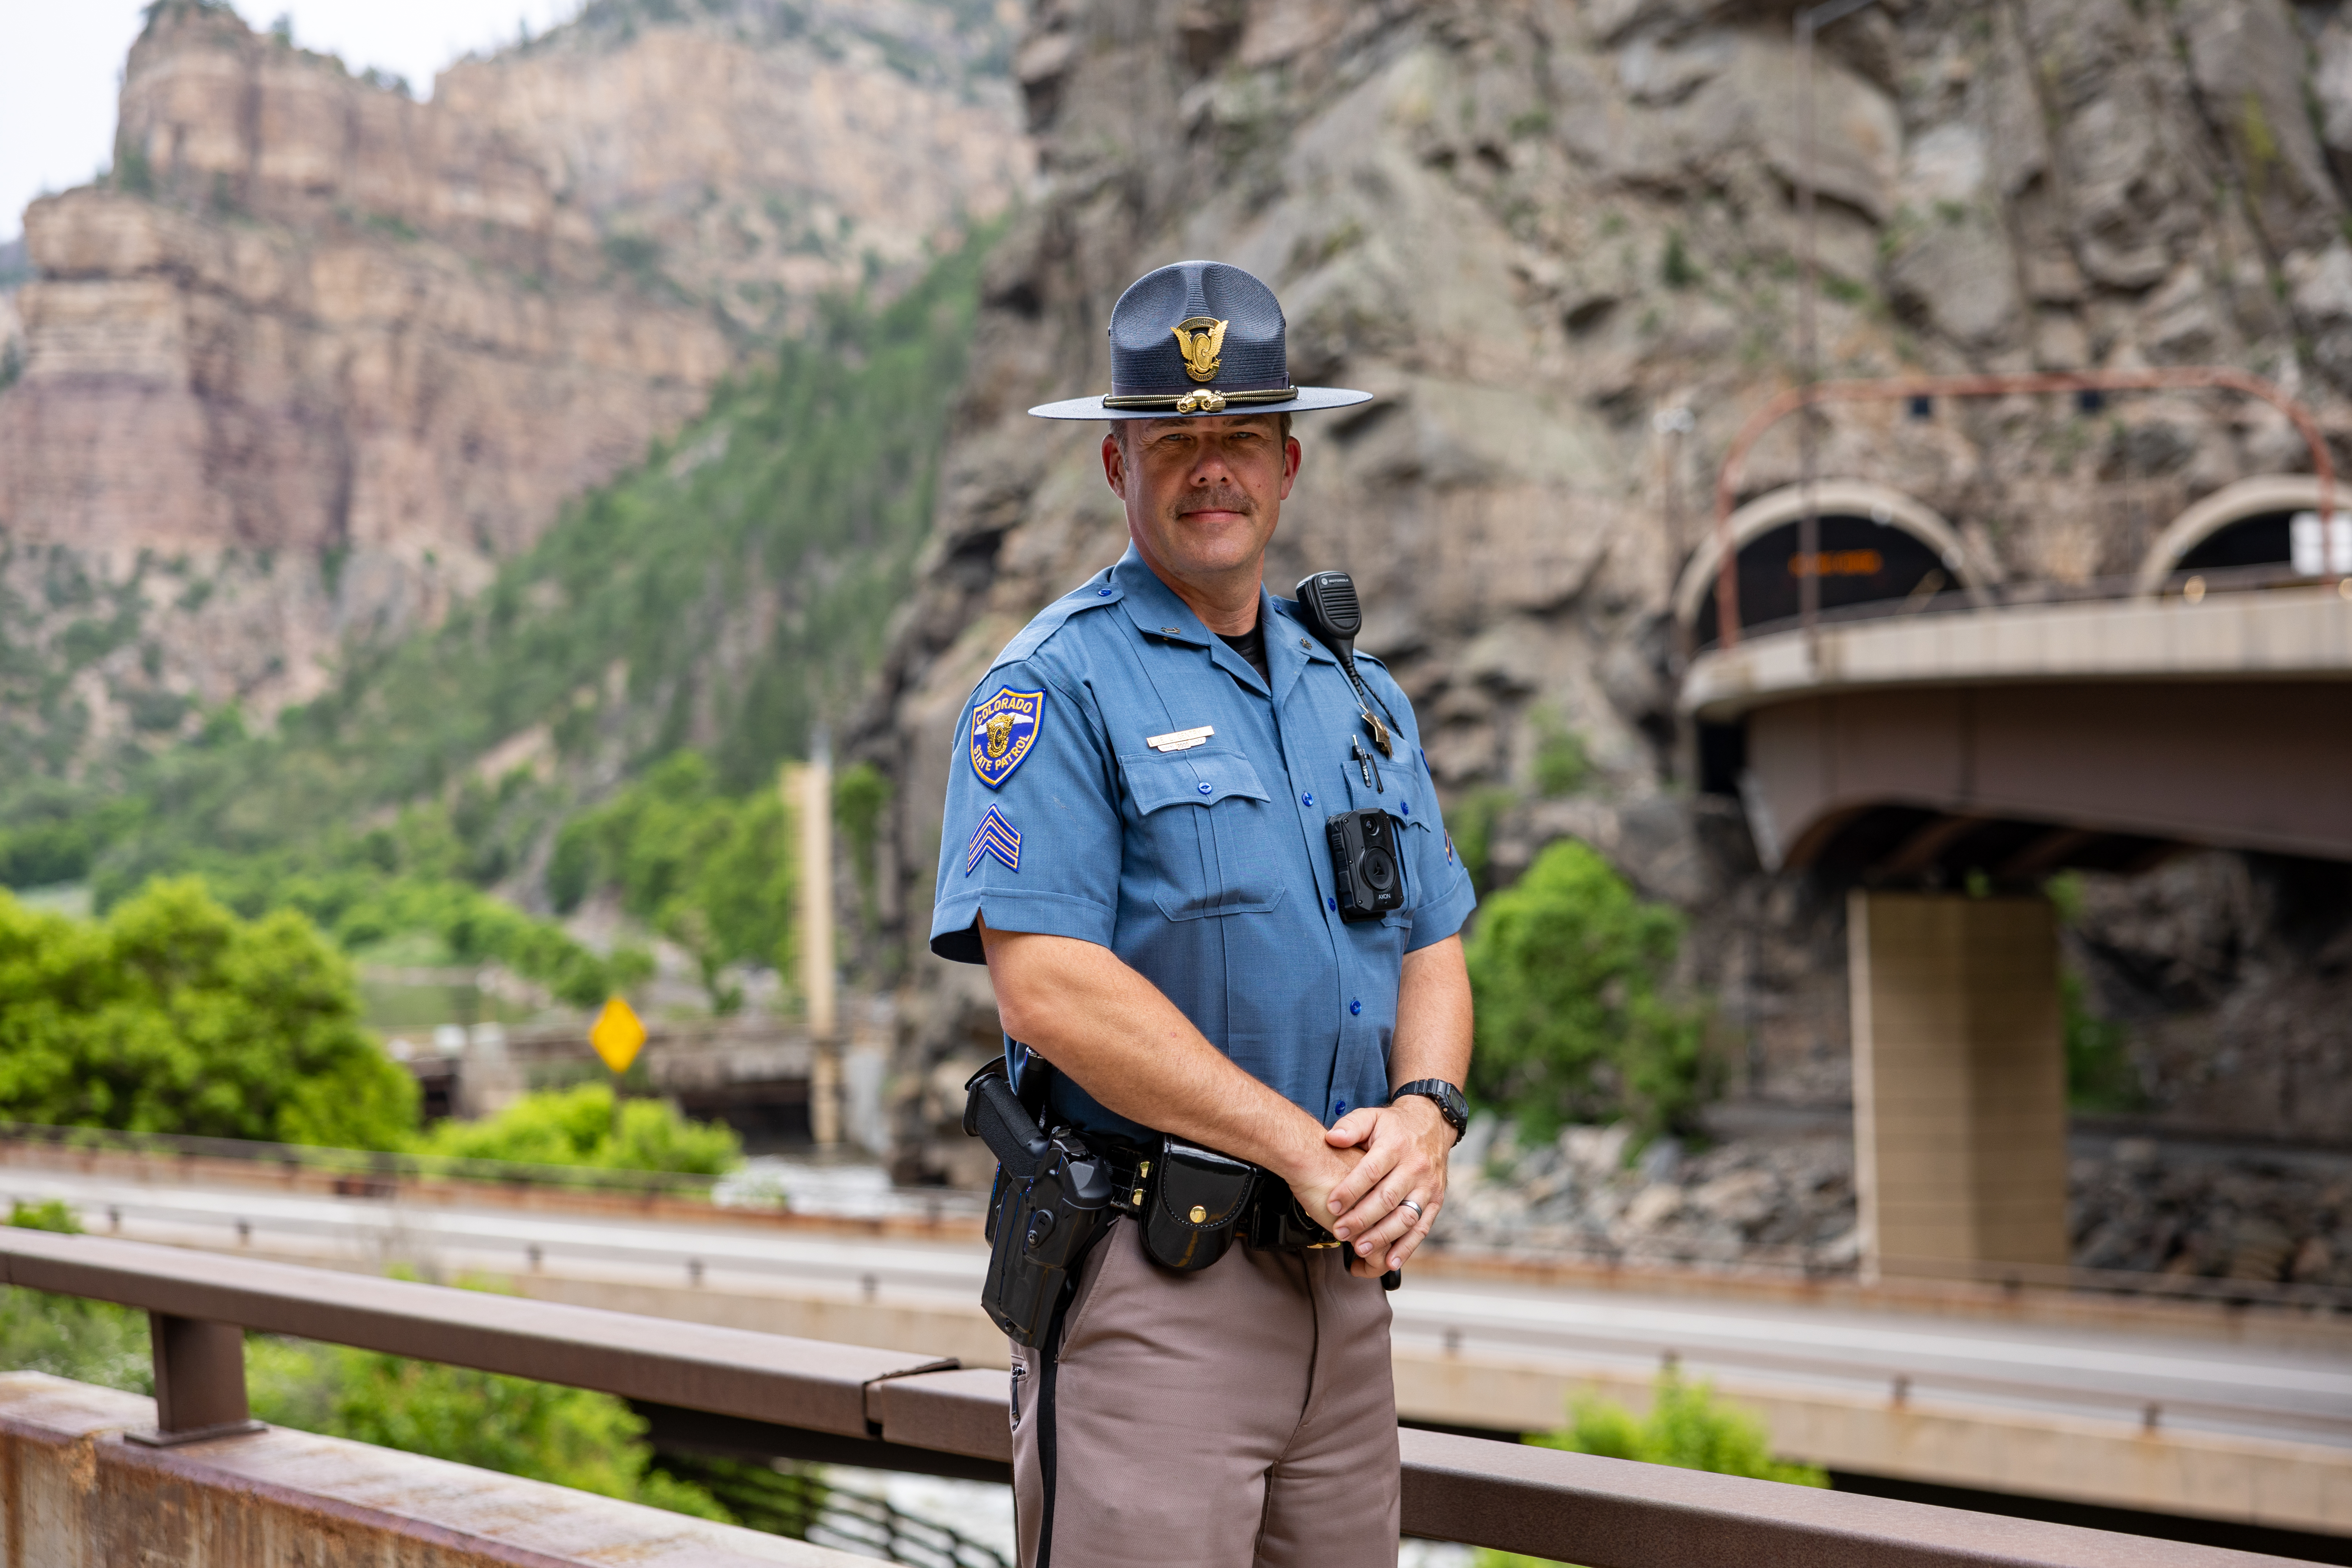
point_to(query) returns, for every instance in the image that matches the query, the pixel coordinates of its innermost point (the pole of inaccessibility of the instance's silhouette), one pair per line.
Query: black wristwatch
(1450, 1104)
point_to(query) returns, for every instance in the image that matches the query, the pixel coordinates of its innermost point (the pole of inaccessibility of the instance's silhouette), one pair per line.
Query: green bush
(1561, 765)
(1472, 821)
(1688, 1426)
(575, 1127)
(66, 1336)
(2100, 1075)
(593, 1442)
(1566, 965)
(50, 1214)
(174, 1016)
(544, 1431)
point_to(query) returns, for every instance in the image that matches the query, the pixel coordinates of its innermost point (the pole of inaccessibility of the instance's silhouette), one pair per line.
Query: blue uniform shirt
(1206, 868)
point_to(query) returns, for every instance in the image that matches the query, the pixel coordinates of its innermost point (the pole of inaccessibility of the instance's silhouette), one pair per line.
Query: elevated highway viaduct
(1938, 747)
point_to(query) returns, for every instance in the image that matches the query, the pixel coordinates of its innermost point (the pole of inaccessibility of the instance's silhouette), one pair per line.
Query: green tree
(1688, 1426)
(576, 1127)
(1566, 966)
(809, 495)
(174, 1016)
(711, 871)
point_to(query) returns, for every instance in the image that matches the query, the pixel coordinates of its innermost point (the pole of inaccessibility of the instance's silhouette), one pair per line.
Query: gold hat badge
(1199, 339)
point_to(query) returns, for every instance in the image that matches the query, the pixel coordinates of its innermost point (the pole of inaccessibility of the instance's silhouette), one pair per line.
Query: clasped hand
(1380, 1157)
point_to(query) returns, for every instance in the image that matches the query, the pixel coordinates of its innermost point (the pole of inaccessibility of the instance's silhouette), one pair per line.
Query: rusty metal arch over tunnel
(2243, 536)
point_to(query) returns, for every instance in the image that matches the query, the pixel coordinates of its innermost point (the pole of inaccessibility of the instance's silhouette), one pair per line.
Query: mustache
(1223, 498)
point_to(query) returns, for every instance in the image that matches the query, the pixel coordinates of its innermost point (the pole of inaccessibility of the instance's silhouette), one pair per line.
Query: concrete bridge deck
(2023, 740)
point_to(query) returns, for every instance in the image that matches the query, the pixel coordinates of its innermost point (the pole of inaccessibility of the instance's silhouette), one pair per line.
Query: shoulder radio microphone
(1327, 602)
(1367, 871)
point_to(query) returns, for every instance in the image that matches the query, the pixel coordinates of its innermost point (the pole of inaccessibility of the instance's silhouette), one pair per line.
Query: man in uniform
(1134, 844)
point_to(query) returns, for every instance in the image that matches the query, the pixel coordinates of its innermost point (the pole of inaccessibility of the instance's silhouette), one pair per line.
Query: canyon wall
(1554, 237)
(316, 356)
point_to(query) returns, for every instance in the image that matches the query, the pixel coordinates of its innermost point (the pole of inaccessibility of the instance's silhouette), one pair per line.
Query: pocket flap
(1202, 1188)
(1190, 778)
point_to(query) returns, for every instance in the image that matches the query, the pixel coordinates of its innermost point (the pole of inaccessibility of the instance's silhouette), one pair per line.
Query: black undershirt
(1250, 646)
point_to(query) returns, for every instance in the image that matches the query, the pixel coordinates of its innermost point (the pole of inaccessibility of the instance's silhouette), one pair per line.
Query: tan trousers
(1243, 1416)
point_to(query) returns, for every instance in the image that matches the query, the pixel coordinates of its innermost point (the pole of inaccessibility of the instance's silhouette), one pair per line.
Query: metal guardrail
(359, 1165)
(1606, 1513)
(372, 1172)
(2011, 1278)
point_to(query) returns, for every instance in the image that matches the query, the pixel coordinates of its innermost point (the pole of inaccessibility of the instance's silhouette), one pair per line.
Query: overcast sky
(63, 64)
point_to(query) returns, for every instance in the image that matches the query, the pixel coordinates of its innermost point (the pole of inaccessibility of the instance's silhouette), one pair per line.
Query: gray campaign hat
(1198, 337)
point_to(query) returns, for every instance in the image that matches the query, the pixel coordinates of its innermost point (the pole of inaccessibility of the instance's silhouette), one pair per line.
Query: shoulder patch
(1004, 729)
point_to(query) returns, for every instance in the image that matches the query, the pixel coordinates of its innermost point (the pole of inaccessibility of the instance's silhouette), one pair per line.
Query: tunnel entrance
(1878, 547)
(1860, 561)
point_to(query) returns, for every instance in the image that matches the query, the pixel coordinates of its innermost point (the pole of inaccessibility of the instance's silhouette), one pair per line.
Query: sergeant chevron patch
(995, 836)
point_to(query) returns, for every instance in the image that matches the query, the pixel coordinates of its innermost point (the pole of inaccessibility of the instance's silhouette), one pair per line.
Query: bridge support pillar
(1959, 1081)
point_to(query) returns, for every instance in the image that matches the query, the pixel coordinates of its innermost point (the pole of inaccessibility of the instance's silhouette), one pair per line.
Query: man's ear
(1114, 465)
(1290, 461)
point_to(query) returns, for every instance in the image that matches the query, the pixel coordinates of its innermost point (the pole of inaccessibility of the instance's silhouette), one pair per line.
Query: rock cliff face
(1538, 229)
(316, 355)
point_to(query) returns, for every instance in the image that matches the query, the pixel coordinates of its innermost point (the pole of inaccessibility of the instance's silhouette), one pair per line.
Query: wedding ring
(1409, 1204)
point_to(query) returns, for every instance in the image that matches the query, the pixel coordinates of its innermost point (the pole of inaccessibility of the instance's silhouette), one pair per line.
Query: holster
(1051, 1199)
(1192, 1205)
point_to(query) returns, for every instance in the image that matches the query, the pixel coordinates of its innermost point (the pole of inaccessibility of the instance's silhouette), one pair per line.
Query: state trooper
(1140, 842)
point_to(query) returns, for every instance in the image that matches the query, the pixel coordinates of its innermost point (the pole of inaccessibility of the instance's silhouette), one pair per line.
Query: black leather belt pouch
(1194, 1203)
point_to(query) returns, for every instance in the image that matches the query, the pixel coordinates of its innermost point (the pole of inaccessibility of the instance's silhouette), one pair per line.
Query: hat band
(1200, 402)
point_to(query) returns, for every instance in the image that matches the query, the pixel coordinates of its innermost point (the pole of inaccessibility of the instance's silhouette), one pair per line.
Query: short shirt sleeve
(1446, 896)
(1437, 883)
(1031, 835)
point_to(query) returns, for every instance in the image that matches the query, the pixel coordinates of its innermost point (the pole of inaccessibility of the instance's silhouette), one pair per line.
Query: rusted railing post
(199, 1381)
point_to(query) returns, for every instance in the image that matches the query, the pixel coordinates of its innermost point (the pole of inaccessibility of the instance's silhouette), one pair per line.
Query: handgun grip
(996, 1114)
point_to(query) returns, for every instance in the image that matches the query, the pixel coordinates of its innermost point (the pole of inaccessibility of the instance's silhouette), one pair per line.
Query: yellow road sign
(617, 1035)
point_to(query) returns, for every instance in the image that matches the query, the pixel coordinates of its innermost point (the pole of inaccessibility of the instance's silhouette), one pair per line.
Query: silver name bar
(1179, 740)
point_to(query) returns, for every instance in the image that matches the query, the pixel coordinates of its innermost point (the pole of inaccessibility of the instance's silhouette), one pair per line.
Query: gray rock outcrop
(316, 356)
(1538, 230)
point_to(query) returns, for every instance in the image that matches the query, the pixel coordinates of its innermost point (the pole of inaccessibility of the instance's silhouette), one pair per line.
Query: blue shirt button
(1206, 788)
(1339, 1108)
(1331, 904)
(1355, 1007)
(1406, 806)
(1104, 593)
(1307, 799)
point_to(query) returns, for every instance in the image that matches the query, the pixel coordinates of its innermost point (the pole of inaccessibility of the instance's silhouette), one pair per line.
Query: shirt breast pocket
(1209, 825)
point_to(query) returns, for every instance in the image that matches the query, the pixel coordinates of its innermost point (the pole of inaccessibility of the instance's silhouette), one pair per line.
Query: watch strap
(1448, 1098)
